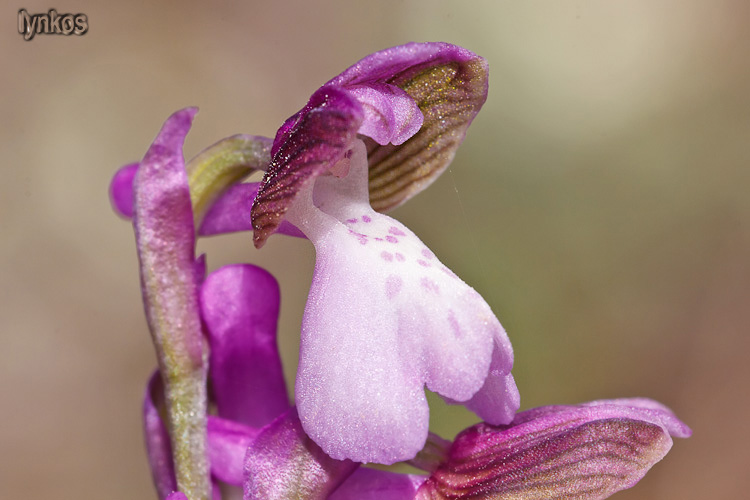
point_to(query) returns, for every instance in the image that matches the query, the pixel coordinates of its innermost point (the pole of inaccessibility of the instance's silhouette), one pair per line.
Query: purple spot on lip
(396, 231)
(387, 256)
(400, 257)
(366, 218)
(430, 285)
(454, 324)
(427, 253)
(391, 239)
(392, 285)
(351, 221)
(424, 263)
(361, 237)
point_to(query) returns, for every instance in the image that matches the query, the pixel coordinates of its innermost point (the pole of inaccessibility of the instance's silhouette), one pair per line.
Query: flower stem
(185, 393)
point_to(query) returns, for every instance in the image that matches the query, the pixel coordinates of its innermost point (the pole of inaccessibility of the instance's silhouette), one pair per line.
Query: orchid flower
(384, 317)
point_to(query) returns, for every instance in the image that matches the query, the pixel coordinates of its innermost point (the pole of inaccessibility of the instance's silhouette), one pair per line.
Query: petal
(449, 85)
(240, 307)
(121, 191)
(307, 145)
(371, 484)
(498, 400)
(227, 445)
(284, 463)
(231, 213)
(588, 452)
(383, 319)
(390, 114)
(165, 240)
(158, 449)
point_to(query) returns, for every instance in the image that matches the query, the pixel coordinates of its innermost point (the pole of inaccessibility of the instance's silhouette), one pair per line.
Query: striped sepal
(584, 452)
(449, 95)
(311, 142)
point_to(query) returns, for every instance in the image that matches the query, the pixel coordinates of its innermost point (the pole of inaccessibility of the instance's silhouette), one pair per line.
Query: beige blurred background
(600, 204)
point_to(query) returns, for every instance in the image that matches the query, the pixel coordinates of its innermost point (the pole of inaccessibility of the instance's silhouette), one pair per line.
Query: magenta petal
(166, 239)
(227, 445)
(231, 213)
(121, 190)
(371, 484)
(158, 448)
(391, 115)
(240, 307)
(306, 146)
(283, 463)
(588, 451)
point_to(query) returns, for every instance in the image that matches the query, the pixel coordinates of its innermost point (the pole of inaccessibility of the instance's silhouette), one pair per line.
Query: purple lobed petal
(121, 190)
(390, 114)
(284, 463)
(372, 484)
(240, 307)
(231, 213)
(588, 451)
(228, 442)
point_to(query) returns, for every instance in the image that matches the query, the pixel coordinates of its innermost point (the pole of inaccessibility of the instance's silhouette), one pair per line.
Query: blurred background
(599, 203)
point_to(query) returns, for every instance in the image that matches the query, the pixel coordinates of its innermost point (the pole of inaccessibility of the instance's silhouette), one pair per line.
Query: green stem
(185, 393)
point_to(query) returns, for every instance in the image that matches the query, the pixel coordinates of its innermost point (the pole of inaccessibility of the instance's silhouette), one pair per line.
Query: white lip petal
(383, 319)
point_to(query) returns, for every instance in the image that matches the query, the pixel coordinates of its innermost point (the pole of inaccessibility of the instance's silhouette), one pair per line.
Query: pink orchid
(384, 318)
